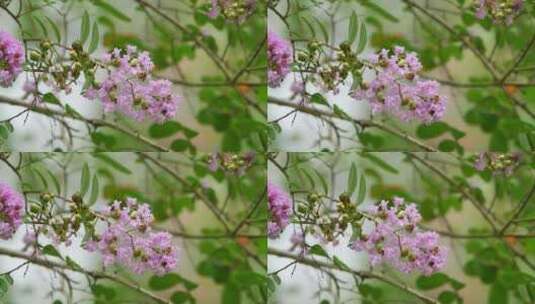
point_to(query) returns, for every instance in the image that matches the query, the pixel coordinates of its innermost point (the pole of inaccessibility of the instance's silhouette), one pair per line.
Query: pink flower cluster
(11, 59)
(128, 87)
(396, 239)
(280, 207)
(497, 162)
(128, 240)
(397, 88)
(236, 10)
(501, 11)
(279, 59)
(11, 211)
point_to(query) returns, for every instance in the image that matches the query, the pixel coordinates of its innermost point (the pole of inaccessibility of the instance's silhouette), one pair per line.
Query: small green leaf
(51, 250)
(94, 191)
(164, 282)
(362, 189)
(363, 39)
(51, 98)
(84, 180)
(352, 180)
(432, 130)
(113, 163)
(95, 37)
(318, 250)
(353, 28)
(340, 264)
(55, 28)
(319, 99)
(166, 129)
(111, 10)
(180, 145)
(84, 31)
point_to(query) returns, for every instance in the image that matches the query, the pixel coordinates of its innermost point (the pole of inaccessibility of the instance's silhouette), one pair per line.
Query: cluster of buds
(232, 10)
(51, 68)
(49, 219)
(331, 75)
(498, 163)
(329, 223)
(501, 11)
(232, 163)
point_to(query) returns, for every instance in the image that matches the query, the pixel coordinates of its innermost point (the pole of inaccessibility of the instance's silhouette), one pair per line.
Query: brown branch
(362, 274)
(361, 123)
(94, 274)
(91, 121)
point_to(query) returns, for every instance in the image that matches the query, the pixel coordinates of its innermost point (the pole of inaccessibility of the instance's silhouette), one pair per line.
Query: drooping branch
(362, 274)
(94, 274)
(362, 123)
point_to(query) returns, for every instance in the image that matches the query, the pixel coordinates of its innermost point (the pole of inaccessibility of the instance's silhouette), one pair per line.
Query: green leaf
(95, 37)
(84, 181)
(94, 191)
(319, 99)
(362, 189)
(51, 98)
(5, 282)
(180, 297)
(54, 28)
(113, 163)
(380, 162)
(340, 264)
(432, 130)
(447, 145)
(111, 10)
(166, 129)
(431, 282)
(180, 145)
(51, 250)
(318, 250)
(103, 291)
(352, 180)
(84, 31)
(164, 282)
(231, 294)
(378, 10)
(497, 295)
(353, 28)
(363, 38)
(447, 297)
(54, 180)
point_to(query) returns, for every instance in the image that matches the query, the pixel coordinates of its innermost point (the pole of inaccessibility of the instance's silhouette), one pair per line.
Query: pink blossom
(280, 207)
(11, 211)
(279, 59)
(11, 59)
(128, 240)
(396, 239)
(128, 87)
(397, 88)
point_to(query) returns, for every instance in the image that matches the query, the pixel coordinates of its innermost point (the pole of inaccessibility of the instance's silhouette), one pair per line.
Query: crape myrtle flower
(129, 241)
(396, 239)
(232, 10)
(279, 59)
(280, 208)
(11, 59)
(500, 11)
(498, 163)
(130, 89)
(397, 89)
(11, 211)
